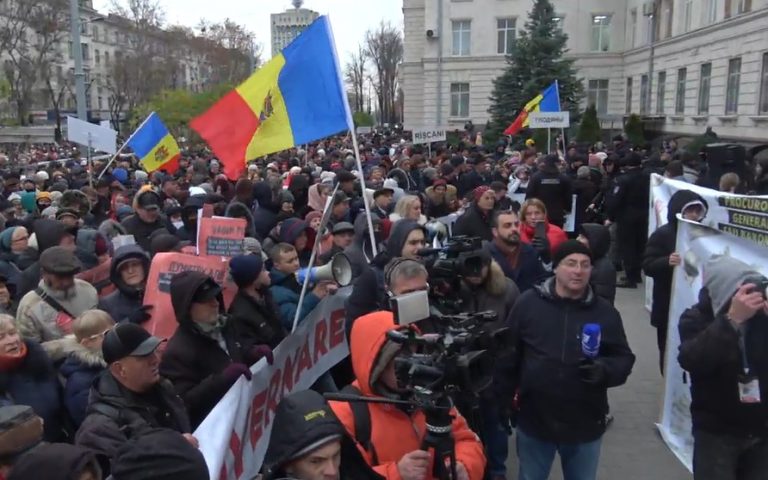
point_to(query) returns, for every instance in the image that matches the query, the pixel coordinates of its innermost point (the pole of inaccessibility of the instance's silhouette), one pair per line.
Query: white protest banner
(745, 216)
(570, 220)
(91, 135)
(549, 119)
(235, 435)
(428, 135)
(363, 130)
(697, 244)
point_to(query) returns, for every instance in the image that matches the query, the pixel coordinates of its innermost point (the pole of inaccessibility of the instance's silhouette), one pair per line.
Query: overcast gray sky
(350, 18)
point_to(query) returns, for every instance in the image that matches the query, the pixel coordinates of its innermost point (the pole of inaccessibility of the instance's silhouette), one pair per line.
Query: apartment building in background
(105, 39)
(683, 65)
(289, 24)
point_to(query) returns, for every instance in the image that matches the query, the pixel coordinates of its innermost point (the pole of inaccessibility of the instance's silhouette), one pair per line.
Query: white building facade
(288, 25)
(683, 65)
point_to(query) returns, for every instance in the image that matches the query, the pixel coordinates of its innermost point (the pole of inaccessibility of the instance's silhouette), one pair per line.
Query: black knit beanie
(567, 248)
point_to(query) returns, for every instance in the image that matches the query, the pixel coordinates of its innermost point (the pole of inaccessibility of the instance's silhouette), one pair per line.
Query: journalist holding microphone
(569, 348)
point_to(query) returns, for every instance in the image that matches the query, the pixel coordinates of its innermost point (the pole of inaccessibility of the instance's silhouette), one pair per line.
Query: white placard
(100, 138)
(428, 135)
(363, 130)
(549, 119)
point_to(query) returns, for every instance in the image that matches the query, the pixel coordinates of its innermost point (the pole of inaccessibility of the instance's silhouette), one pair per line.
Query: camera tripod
(438, 440)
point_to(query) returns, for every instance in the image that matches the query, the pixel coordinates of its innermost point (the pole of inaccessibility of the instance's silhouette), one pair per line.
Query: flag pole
(320, 231)
(365, 197)
(120, 150)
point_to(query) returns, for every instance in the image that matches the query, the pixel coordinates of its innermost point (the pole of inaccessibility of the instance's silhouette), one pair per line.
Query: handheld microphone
(590, 340)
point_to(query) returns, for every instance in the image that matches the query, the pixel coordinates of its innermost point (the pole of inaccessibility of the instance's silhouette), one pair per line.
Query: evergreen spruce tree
(635, 130)
(589, 129)
(536, 60)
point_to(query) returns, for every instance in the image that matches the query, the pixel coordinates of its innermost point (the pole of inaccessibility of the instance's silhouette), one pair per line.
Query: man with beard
(46, 313)
(519, 261)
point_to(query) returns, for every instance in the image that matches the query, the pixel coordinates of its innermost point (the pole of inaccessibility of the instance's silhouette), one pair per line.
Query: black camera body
(460, 257)
(457, 361)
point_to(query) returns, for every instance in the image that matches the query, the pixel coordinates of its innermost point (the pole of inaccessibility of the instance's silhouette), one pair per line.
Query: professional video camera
(456, 361)
(436, 371)
(459, 257)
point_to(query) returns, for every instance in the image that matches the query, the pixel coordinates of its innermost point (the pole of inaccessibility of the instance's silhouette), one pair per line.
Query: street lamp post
(77, 53)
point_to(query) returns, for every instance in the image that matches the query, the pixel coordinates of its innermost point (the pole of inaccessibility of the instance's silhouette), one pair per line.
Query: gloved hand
(234, 370)
(141, 315)
(591, 371)
(542, 247)
(257, 352)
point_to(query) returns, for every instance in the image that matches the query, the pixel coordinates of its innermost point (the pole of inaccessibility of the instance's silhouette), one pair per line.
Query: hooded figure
(265, 214)
(603, 276)
(369, 289)
(395, 431)
(124, 303)
(730, 435)
(199, 355)
(188, 232)
(661, 244)
(303, 424)
(239, 210)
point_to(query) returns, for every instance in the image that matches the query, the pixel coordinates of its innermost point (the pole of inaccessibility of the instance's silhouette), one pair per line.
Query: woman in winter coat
(409, 208)
(27, 377)
(85, 361)
(476, 220)
(532, 212)
(13, 243)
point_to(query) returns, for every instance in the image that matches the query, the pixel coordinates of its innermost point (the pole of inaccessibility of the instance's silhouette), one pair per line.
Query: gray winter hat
(723, 275)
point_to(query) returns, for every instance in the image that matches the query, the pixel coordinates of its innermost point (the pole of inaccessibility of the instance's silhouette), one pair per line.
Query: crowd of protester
(86, 392)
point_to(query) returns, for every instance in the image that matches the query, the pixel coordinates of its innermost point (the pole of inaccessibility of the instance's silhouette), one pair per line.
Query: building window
(705, 81)
(106, 59)
(69, 50)
(597, 95)
(100, 102)
(710, 14)
(644, 94)
(661, 92)
(745, 6)
(632, 27)
(95, 33)
(628, 107)
(461, 36)
(763, 107)
(732, 88)
(84, 51)
(97, 56)
(505, 33)
(680, 93)
(687, 15)
(601, 33)
(460, 100)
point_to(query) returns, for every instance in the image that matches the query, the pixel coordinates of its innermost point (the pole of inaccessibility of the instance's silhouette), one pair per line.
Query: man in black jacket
(723, 340)
(252, 314)
(562, 391)
(520, 262)
(204, 358)
(147, 218)
(553, 188)
(627, 204)
(309, 443)
(660, 259)
(130, 396)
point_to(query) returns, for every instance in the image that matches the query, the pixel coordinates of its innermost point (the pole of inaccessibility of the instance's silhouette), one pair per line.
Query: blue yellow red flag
(295, 98)
(154, 145)
(546, 101)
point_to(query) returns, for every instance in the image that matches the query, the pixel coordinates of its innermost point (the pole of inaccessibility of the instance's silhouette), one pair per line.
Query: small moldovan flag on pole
(295, 98)
(546, 101)
(154, 145)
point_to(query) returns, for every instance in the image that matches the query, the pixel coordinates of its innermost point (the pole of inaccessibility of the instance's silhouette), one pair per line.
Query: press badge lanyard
(749, 387)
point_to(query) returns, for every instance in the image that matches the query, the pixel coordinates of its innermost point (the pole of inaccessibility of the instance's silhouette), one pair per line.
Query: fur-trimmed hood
(78, 354)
